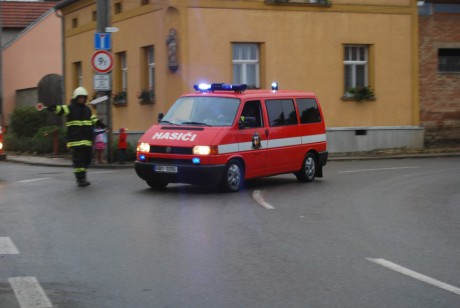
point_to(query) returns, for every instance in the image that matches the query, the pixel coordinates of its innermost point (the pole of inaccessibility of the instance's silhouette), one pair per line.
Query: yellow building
(333, 48)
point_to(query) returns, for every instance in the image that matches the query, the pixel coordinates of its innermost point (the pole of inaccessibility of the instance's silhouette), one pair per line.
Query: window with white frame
(151, 68)
(246, 64)
(124, 71)
(77, 74)
(121, 78)
(356, 68)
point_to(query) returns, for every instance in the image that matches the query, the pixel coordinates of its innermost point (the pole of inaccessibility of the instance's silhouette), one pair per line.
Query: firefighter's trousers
(81, 159)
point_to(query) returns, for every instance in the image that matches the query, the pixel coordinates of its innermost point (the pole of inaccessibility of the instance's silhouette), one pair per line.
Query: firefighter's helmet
(80, 91)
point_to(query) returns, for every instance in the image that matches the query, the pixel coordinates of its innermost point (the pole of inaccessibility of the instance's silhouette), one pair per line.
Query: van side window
(252, 115)
(308, 110)
(281, 112)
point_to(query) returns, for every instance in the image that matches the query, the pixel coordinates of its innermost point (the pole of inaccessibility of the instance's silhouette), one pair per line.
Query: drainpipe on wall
(63, 55)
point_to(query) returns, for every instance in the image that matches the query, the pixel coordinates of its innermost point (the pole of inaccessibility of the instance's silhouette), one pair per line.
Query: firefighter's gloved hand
(51, 108)
(100, 124)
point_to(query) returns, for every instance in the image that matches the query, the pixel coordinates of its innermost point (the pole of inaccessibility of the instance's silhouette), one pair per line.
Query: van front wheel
(156, 184)
(308, 171)
(233, 176)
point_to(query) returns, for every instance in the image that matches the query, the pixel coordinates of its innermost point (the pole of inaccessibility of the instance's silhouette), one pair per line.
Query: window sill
(449, 72)
(324, 3)
(147, 102)
(120, 103)
(350, 99)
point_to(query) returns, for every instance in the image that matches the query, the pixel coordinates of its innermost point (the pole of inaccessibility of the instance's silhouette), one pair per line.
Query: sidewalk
(64, 161)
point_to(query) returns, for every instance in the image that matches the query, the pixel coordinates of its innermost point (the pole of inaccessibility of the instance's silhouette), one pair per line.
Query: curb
(48, 162)
(393, 156)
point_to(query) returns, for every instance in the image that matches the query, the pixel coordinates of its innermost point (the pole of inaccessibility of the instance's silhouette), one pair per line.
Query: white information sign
(101, 82)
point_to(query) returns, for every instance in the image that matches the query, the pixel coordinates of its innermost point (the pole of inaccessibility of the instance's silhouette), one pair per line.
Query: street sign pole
(103, 21)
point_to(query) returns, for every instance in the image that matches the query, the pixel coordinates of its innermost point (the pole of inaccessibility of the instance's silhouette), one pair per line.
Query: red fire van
(225, 134)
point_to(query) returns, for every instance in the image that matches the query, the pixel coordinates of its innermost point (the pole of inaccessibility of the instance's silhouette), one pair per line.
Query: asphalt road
(375, 233)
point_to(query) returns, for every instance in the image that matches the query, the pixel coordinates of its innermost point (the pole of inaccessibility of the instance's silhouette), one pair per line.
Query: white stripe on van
(271, 143)
(284, 142)
(228, 148)
(313, 138)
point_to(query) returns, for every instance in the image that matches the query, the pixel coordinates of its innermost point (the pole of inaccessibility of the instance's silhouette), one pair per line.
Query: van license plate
(165, 169)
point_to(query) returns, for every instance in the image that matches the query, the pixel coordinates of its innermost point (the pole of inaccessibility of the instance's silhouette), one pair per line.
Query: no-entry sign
(102, 61)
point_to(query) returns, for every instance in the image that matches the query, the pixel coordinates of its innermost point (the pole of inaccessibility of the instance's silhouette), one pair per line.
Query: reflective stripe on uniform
(93, 119)
(79, 123)
(77, 170)
(79, 143)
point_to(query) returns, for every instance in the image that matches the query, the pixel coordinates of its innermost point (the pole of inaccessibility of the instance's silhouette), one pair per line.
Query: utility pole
(1, 70)
(103, 21)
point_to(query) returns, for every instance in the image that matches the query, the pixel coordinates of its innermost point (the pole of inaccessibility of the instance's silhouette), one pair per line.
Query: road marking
(7, 246)
(99, 172)
(29, 292)
(33, 180)
(379, 169)
(405, 271)
(257, 195)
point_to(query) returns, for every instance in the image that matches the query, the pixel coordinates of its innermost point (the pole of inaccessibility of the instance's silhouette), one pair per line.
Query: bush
(43, 140)
(15, 144)
(26, 121)
(130, 154)
(41, 143)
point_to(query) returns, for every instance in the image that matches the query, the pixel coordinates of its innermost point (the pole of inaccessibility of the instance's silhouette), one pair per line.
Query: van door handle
(266, 132)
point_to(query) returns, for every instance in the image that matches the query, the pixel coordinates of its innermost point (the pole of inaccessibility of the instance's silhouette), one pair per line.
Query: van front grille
(171, 150)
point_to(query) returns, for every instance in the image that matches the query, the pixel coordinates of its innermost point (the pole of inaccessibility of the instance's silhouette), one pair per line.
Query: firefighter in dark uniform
(80, 123)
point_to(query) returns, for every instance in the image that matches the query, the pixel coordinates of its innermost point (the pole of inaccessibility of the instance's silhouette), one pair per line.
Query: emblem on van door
(256, 141)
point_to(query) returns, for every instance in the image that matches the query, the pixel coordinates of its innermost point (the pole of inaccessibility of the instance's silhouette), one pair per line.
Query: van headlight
(1, 145)
(143, 147)
(204, 150)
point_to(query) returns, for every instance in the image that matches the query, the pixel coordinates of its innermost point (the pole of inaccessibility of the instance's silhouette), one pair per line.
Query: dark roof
(443, 1)
(64, 3)
(20, 14)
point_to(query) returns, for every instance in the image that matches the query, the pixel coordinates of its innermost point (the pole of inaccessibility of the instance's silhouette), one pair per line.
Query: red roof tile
(20, 14)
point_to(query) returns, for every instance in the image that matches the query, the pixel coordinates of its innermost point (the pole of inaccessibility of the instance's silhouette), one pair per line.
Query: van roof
(254, 94)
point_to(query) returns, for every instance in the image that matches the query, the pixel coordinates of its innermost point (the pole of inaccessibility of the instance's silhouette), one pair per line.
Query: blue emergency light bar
(206, 87)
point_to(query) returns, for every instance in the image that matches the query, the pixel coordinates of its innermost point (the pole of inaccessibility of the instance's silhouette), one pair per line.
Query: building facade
(25, 25)
(359, 56)
(440, 72)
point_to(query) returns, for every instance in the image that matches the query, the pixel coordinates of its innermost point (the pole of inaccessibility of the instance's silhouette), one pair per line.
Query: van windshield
(202, 111)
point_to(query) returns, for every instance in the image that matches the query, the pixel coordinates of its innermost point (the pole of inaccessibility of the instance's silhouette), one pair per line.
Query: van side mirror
(160, 116)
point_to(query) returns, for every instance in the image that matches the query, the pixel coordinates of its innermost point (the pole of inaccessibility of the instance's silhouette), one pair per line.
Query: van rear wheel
(308, 171)
(233, 176)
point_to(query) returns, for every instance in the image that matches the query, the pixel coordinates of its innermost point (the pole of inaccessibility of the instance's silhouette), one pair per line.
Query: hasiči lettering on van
(226, 134)
(175, 136)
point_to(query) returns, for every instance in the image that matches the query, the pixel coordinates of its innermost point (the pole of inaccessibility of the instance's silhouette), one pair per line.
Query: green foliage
(42, 142)
(120, 98)
(15, 144)
(361, 93)
(44, 139)
(26, 120)
(146, 97)
(130, 154)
